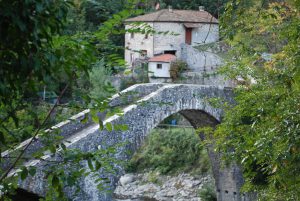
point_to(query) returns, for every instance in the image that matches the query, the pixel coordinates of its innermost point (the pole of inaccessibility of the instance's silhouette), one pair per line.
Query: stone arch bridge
(147, 106)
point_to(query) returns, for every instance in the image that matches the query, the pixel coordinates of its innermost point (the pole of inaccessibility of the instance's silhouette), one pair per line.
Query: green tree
(34, 53)
(263, 127)
(99, 79)
(215, 7)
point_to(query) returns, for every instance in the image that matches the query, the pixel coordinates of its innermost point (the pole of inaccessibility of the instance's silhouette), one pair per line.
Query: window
(146, 36)
(170, 52)
(143, 53)
(158, 66)
(131, 35)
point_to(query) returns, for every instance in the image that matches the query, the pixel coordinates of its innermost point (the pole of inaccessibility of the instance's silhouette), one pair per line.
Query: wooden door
(188, 36)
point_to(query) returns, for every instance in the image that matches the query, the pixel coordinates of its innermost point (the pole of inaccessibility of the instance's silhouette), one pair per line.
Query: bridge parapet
(75, 123)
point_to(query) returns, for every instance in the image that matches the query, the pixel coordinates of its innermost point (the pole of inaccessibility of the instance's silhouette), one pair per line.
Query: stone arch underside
(192, 101)
(23, 195)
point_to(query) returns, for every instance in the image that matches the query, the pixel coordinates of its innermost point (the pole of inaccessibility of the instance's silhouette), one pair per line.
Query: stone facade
(155, 44)
(200, 61)
(141, 117)
(135, 43)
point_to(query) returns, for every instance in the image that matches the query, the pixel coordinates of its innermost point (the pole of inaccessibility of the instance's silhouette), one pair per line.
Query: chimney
(201, 8)
(170, 9)
(157, 6)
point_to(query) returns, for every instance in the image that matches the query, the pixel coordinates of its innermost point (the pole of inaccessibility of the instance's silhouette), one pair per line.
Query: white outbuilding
(159, 67)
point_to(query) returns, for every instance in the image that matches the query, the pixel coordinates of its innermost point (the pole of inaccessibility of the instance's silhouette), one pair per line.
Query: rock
(137, 187)
(184, 193)
(126, 179)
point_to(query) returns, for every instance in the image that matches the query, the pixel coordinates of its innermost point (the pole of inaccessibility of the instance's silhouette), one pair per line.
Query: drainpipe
(153, 40)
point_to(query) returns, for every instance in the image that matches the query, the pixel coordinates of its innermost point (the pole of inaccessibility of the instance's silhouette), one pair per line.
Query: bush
(100, 84)
(138, 75)
(176, 69)
(208, 193)
(170, 151)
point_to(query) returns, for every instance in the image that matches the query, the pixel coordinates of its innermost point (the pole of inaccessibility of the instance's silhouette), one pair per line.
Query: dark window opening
(159, 66)
(170, 52)
(131, 35)
(143, 53)
(146, 36)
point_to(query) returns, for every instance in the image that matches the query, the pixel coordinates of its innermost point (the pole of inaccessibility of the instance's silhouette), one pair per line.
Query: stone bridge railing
(75, 123)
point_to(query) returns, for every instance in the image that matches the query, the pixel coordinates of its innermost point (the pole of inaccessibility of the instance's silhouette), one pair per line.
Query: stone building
(184, 27)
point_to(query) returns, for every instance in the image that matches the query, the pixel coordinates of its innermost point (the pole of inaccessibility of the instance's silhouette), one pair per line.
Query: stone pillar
(228, 179)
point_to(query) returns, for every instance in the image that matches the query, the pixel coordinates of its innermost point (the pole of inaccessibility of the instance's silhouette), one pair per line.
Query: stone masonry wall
(75, 124)
(203, 67)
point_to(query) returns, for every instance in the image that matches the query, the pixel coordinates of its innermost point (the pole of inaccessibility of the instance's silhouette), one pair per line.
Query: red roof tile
(164, 15)
(163, 58)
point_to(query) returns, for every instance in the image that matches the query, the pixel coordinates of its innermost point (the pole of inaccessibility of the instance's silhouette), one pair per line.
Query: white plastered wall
(163, 72)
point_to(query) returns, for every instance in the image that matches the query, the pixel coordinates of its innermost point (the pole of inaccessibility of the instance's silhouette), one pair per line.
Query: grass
(170, 151)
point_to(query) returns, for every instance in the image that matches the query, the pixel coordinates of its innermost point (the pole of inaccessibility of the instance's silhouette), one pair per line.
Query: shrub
(208, 193)
(176, 69)
(138, 75)
(100, 83)
(170, 151)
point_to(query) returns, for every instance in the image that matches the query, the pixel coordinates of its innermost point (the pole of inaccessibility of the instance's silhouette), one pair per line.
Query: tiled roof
(191, 25)
(163, 58)
(164, 15)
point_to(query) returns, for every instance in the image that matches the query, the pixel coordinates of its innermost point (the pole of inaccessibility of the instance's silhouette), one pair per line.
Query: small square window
(159, 66)
(143, 53)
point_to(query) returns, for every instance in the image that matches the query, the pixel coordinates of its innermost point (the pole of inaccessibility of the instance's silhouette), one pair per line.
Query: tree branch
(4, 175)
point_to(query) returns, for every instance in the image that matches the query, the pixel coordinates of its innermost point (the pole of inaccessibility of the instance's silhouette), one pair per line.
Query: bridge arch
(192, 101)
(21, 194)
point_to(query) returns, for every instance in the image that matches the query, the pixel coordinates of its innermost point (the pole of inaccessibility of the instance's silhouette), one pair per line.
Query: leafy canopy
(263, 126)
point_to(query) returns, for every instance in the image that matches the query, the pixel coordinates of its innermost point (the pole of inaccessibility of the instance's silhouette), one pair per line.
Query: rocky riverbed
(155, 187)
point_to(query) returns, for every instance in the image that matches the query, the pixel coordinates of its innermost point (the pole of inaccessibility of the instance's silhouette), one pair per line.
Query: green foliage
(176, 68)
(27, 28)
(36, 51)
(208, 193)
(263, 126)
(58, 178)
(169, 151)
(35, 54)
(139, 75)
(99, 79)
(127, 82)
(154, 177)
(215, 7)
(76, 19)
